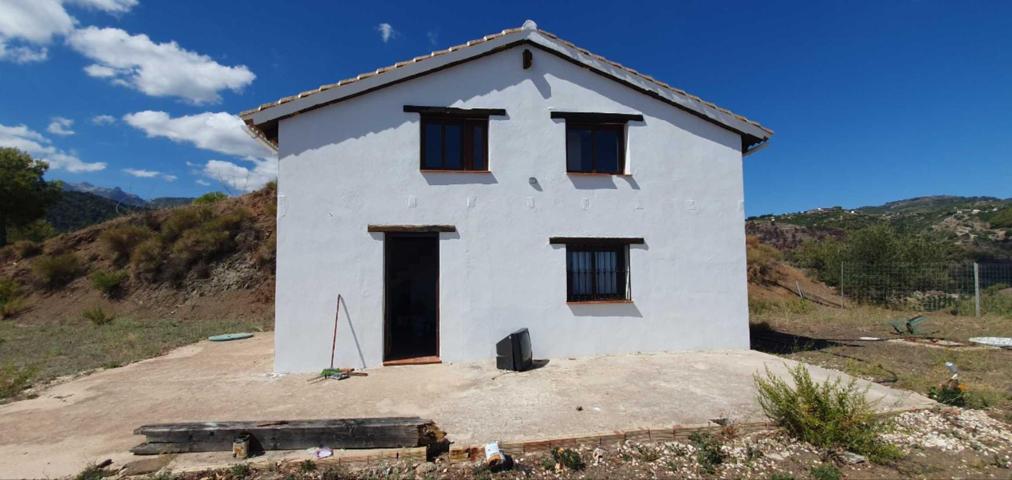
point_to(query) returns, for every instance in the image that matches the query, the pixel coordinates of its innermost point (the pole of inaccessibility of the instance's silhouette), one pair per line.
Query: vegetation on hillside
(876, 245)
(24, 195)
(976, 228)
(135, 286)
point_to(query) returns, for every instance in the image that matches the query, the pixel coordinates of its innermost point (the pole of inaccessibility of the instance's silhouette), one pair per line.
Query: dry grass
(58, 348)
(986, 373)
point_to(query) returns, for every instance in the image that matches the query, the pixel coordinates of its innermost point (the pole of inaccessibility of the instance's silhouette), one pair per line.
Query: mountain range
(83, 204)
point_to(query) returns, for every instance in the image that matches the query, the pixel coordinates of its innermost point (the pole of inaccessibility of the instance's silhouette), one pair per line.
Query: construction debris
(359, 433)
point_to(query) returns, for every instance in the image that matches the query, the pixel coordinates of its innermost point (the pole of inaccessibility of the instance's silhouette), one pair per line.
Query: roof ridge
(528, 27)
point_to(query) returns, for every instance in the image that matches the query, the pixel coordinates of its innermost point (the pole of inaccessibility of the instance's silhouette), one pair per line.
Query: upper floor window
(454, 139)
(454, 143)
(595, 142)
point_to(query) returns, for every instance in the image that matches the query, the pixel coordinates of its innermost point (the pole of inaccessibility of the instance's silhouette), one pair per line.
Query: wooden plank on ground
(359, 433)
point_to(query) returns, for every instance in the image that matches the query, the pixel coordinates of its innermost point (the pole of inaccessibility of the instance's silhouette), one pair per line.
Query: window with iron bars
(597, 272)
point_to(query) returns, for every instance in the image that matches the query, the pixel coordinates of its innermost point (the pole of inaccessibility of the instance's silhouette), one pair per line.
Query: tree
(24, 195)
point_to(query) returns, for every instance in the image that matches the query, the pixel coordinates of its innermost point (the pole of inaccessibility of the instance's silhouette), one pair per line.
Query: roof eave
(263, 121)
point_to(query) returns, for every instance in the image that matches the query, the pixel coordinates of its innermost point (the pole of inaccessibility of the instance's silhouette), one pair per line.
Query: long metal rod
(333, 343)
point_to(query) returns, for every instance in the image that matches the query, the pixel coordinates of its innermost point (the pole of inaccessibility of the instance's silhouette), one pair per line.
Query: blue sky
(870, 101)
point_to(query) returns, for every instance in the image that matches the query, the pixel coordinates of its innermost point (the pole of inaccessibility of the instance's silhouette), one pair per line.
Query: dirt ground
(92, 418)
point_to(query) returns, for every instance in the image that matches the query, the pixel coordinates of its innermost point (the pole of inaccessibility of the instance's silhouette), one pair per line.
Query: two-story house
(514, 181)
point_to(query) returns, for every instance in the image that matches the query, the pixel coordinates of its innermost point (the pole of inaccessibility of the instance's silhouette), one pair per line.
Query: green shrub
(781, 476)
(27, 248)
(240, 470)
(109, 283)
(121, 240)
(56, 271)
(826, 471)
(183, 219)
(209, 198)
(97, 316)
(36, 231)
(9, 290)
(147, 258)
(14, 379)
(569, 458)
(828, 415)
(307, 466)
(709, 453)
(12, 307)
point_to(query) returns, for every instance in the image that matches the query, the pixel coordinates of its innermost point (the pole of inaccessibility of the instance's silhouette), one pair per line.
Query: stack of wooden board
(388, 432)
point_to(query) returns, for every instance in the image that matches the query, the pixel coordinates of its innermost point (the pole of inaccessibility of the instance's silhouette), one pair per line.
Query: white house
(514, 181)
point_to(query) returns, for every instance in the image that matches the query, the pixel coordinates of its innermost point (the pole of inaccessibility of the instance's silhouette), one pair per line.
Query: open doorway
(411, 297)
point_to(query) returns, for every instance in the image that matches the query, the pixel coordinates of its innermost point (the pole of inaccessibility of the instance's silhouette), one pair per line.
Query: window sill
(598, 174)
(596, 302)
(473, 172)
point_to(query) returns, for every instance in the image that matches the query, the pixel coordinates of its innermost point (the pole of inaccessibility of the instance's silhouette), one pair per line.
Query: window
(595, 142)
(594, 148)
(454, 139)
(452, 143)
(596, 272)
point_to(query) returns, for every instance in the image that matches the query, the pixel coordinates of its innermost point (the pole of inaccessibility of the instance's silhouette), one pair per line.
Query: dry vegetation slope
(134, 287)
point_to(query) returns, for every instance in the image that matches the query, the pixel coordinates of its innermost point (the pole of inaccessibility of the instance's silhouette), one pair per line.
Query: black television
(514, 351)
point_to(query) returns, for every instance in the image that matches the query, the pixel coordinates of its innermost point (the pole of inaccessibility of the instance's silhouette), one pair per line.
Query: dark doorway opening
(412, 296)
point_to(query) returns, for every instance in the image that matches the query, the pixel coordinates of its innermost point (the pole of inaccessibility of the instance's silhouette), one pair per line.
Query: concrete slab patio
(92, 418)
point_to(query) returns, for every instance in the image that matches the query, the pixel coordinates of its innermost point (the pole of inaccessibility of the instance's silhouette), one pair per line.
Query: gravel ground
(939, 443)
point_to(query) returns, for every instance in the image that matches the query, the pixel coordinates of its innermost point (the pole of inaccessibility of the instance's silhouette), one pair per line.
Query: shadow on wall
(457, 178)
(605, 310)
(371, 114)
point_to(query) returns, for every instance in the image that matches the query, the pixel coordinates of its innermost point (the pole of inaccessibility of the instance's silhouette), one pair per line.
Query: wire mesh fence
(962, 288)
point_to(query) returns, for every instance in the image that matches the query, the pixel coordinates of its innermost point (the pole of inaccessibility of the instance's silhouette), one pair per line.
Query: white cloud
(433, 37)
(108, 6)
(23, 54)
(61, 126)
(41, 148)
(219, 132)
(140, 173)
(27, 26)
(387, 32)
(103, 119)
(156, 69)
(204, 183)
(242, 178)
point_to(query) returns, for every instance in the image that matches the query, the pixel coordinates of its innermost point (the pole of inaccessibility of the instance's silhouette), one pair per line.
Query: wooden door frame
(386, 282)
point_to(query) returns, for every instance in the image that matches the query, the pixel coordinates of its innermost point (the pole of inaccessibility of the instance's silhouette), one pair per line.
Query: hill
(978, 227)
(75, 210)
(135, 286)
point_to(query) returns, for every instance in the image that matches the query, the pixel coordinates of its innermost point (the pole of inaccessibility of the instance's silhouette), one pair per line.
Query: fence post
(842, 296)
(976, 288)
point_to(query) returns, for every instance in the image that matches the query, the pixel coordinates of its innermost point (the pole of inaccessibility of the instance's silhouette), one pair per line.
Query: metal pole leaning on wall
(976, 288)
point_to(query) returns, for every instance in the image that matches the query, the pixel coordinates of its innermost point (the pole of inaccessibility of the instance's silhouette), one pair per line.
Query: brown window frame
(596, 122)
(621, 274)
(468, 119)
(595, 128)
(467, 126)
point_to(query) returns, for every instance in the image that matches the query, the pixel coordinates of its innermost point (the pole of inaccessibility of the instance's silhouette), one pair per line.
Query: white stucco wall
(355, 163)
